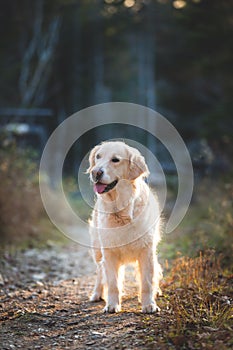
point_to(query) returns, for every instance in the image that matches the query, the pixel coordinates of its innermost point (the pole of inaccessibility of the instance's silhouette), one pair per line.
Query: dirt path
(44, 305)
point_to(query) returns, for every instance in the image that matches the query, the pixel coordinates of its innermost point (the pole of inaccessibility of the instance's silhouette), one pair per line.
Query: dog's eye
(115, 160)
(98, 156)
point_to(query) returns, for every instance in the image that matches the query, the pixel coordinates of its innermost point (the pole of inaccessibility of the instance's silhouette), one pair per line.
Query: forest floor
(45, 305)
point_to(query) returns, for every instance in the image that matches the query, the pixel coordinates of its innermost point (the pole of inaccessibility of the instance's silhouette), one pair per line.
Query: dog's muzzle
(97, 174)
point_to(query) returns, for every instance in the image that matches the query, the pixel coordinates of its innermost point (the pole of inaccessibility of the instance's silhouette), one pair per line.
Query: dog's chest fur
(121, 212)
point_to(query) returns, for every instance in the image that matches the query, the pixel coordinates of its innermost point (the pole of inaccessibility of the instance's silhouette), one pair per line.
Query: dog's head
(113, 161)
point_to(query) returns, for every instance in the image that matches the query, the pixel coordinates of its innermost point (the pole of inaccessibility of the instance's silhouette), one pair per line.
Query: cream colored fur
(125, 225)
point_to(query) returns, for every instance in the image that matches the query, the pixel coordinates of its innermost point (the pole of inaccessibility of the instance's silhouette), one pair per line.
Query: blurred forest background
(60, 56)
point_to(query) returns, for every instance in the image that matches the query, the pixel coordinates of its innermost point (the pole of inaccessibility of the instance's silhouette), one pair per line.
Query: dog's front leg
(111, 268)
(99, 287)
(147, 274)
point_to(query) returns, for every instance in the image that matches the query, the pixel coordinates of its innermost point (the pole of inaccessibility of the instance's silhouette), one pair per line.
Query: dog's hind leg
(147, 273)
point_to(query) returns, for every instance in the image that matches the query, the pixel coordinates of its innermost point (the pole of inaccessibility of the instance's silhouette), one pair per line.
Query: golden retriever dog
(125, 224)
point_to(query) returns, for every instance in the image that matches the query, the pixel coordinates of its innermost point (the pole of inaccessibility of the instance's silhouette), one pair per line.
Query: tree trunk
(34, 76)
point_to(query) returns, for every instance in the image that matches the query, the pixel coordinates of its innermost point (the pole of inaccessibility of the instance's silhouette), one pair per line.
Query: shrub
(197, 294)
(20, 203)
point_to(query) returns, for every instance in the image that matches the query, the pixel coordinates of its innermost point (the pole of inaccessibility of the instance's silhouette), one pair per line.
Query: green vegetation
(23, 221)
(172, 55)
(208, 223)
(198, 261)
(197, 257)
(197, 297)
(19, 200)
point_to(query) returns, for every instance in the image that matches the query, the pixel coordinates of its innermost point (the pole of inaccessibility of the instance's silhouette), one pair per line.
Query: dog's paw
(96, 297)
(112, 308)
(150, 308)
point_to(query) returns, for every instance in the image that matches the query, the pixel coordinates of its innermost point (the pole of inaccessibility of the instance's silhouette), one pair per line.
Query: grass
(208, 223)
(197, 256)
(197, 259)
(23, 220)
(199, 291)
(196, 306)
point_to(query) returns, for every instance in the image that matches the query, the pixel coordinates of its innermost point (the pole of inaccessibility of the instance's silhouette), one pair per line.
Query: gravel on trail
(45, 304)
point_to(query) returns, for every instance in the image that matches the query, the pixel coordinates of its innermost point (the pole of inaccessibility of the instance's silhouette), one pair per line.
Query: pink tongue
(99, 188)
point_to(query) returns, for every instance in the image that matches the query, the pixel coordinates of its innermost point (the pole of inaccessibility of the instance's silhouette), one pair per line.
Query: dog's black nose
(96, 175)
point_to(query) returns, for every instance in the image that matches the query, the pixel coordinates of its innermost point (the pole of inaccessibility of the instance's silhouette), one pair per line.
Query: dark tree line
(174, 56)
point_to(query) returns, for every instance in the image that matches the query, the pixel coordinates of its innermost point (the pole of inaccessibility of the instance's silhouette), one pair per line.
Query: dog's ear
(137, 165)
(92, 158)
